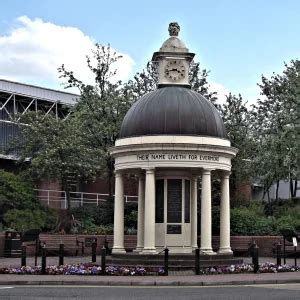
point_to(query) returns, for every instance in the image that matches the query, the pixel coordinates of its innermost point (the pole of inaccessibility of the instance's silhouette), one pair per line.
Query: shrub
(287, 222)
(19, 207)
(247, 222)
(130, 219)
(16, 193)
(22, 220)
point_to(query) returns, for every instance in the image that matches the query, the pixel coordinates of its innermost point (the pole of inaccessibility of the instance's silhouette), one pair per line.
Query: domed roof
(173, 44)
(173, 110)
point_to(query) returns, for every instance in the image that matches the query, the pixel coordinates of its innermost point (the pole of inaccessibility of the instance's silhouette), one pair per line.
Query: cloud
(221, 90)
(32, 52)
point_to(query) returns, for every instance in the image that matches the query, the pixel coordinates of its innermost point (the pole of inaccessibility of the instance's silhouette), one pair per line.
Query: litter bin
(12, 245)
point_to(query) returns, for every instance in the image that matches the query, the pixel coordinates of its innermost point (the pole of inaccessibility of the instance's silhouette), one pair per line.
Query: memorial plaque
(187, 201)
(173, 229)
(174, 214)
(159, 201)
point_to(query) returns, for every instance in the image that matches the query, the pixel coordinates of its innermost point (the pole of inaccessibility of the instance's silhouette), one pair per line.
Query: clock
(174, 70)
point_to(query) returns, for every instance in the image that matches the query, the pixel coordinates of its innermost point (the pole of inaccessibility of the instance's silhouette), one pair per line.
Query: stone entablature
(148, 152)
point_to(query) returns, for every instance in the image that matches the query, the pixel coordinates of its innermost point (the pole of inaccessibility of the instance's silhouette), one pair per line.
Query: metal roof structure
(16, 99)
(173, 110)
(41, 93)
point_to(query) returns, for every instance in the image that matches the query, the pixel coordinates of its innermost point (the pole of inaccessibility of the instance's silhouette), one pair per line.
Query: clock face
(175, 70)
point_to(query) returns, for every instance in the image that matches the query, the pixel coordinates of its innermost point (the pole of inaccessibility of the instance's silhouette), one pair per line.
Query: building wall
(283, 192)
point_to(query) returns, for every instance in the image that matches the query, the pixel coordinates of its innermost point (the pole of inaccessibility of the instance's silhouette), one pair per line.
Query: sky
(236, 40)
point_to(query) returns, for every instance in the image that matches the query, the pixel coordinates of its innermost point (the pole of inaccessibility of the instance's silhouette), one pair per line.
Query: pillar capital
(149, 170)
(118, 173)
(195, 176)
(226, 174)
(207, 171)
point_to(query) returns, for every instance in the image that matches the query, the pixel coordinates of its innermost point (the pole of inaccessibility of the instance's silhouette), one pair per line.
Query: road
(265, 292)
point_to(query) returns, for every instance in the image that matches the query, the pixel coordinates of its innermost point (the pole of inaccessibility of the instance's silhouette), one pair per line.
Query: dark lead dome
(173, 111)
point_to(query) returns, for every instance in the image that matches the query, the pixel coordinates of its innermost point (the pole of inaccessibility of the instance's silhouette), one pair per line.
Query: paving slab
(175, 278)
(201, 280)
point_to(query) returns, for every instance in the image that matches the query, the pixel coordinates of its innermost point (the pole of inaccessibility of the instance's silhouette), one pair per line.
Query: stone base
(177, 262)
(225, 251)
(149, 251)
(116, 250)
(207, 252)
(137, 250)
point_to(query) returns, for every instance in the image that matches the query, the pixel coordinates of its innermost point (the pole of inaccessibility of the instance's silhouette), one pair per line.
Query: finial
(174, 29)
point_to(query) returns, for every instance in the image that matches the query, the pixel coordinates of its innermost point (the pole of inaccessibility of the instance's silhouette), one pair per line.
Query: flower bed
(94, 269)
(83, 269)
(246, 268)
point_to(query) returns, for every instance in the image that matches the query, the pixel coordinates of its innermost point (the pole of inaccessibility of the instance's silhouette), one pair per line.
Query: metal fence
(78, 199)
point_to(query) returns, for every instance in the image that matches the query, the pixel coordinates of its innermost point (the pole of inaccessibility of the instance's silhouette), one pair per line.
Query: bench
(288, 248)
(71, 243)
(129, 242)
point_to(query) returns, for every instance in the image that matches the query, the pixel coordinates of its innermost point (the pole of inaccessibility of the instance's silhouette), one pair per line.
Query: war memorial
(173, 138)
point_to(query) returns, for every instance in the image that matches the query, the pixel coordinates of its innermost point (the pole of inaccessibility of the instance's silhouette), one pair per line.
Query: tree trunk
(67, 194)
(277, 189)
(291, 188)
(110, 175)
(109, 183)
(294, 195)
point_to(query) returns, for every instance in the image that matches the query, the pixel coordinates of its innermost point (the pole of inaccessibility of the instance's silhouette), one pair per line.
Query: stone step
(173, 263)
(185, 256)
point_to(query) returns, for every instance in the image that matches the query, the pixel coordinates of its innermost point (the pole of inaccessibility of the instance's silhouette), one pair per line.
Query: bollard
(255, 258)
(197, 261)
(284, 254)
(94, 246)
(37, 250)
(61, 254)
(166, 261)
(103, 260)
(106, 246)
(23, 256)
(44, 260)
(278, 254)
(295, 257)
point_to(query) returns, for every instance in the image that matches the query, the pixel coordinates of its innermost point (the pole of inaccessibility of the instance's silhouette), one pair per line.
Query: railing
(76, 198)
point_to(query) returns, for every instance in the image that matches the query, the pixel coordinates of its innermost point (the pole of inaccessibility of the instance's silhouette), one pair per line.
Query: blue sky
(236, 40)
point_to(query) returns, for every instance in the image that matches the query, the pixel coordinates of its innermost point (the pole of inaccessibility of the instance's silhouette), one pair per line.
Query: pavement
(176, 278)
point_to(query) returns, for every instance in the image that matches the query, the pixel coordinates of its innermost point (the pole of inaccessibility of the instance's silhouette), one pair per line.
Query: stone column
(149, 229)
(206, 244)
(119, 214)
(141, 214)
(225, 216)
(194, 212)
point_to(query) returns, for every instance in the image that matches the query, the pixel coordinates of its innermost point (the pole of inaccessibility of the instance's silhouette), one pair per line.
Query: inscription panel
(159, 201)
(173, 229)
(174, 201)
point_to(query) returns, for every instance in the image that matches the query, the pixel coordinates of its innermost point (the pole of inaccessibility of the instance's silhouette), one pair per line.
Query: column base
(118, 250)
(138, 249)
(226, 250)
(207, 252)
(149, 251)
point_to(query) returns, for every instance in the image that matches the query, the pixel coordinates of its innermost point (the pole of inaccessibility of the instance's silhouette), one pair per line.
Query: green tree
(56, 150)
(276, 127)
(236, 117)
(19, 206)
(101, 108)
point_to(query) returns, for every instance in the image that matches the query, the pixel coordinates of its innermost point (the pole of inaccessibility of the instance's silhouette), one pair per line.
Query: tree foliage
(236, 117)
(276, 127)
(56, 150)
(101, 108)
(19, 206)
